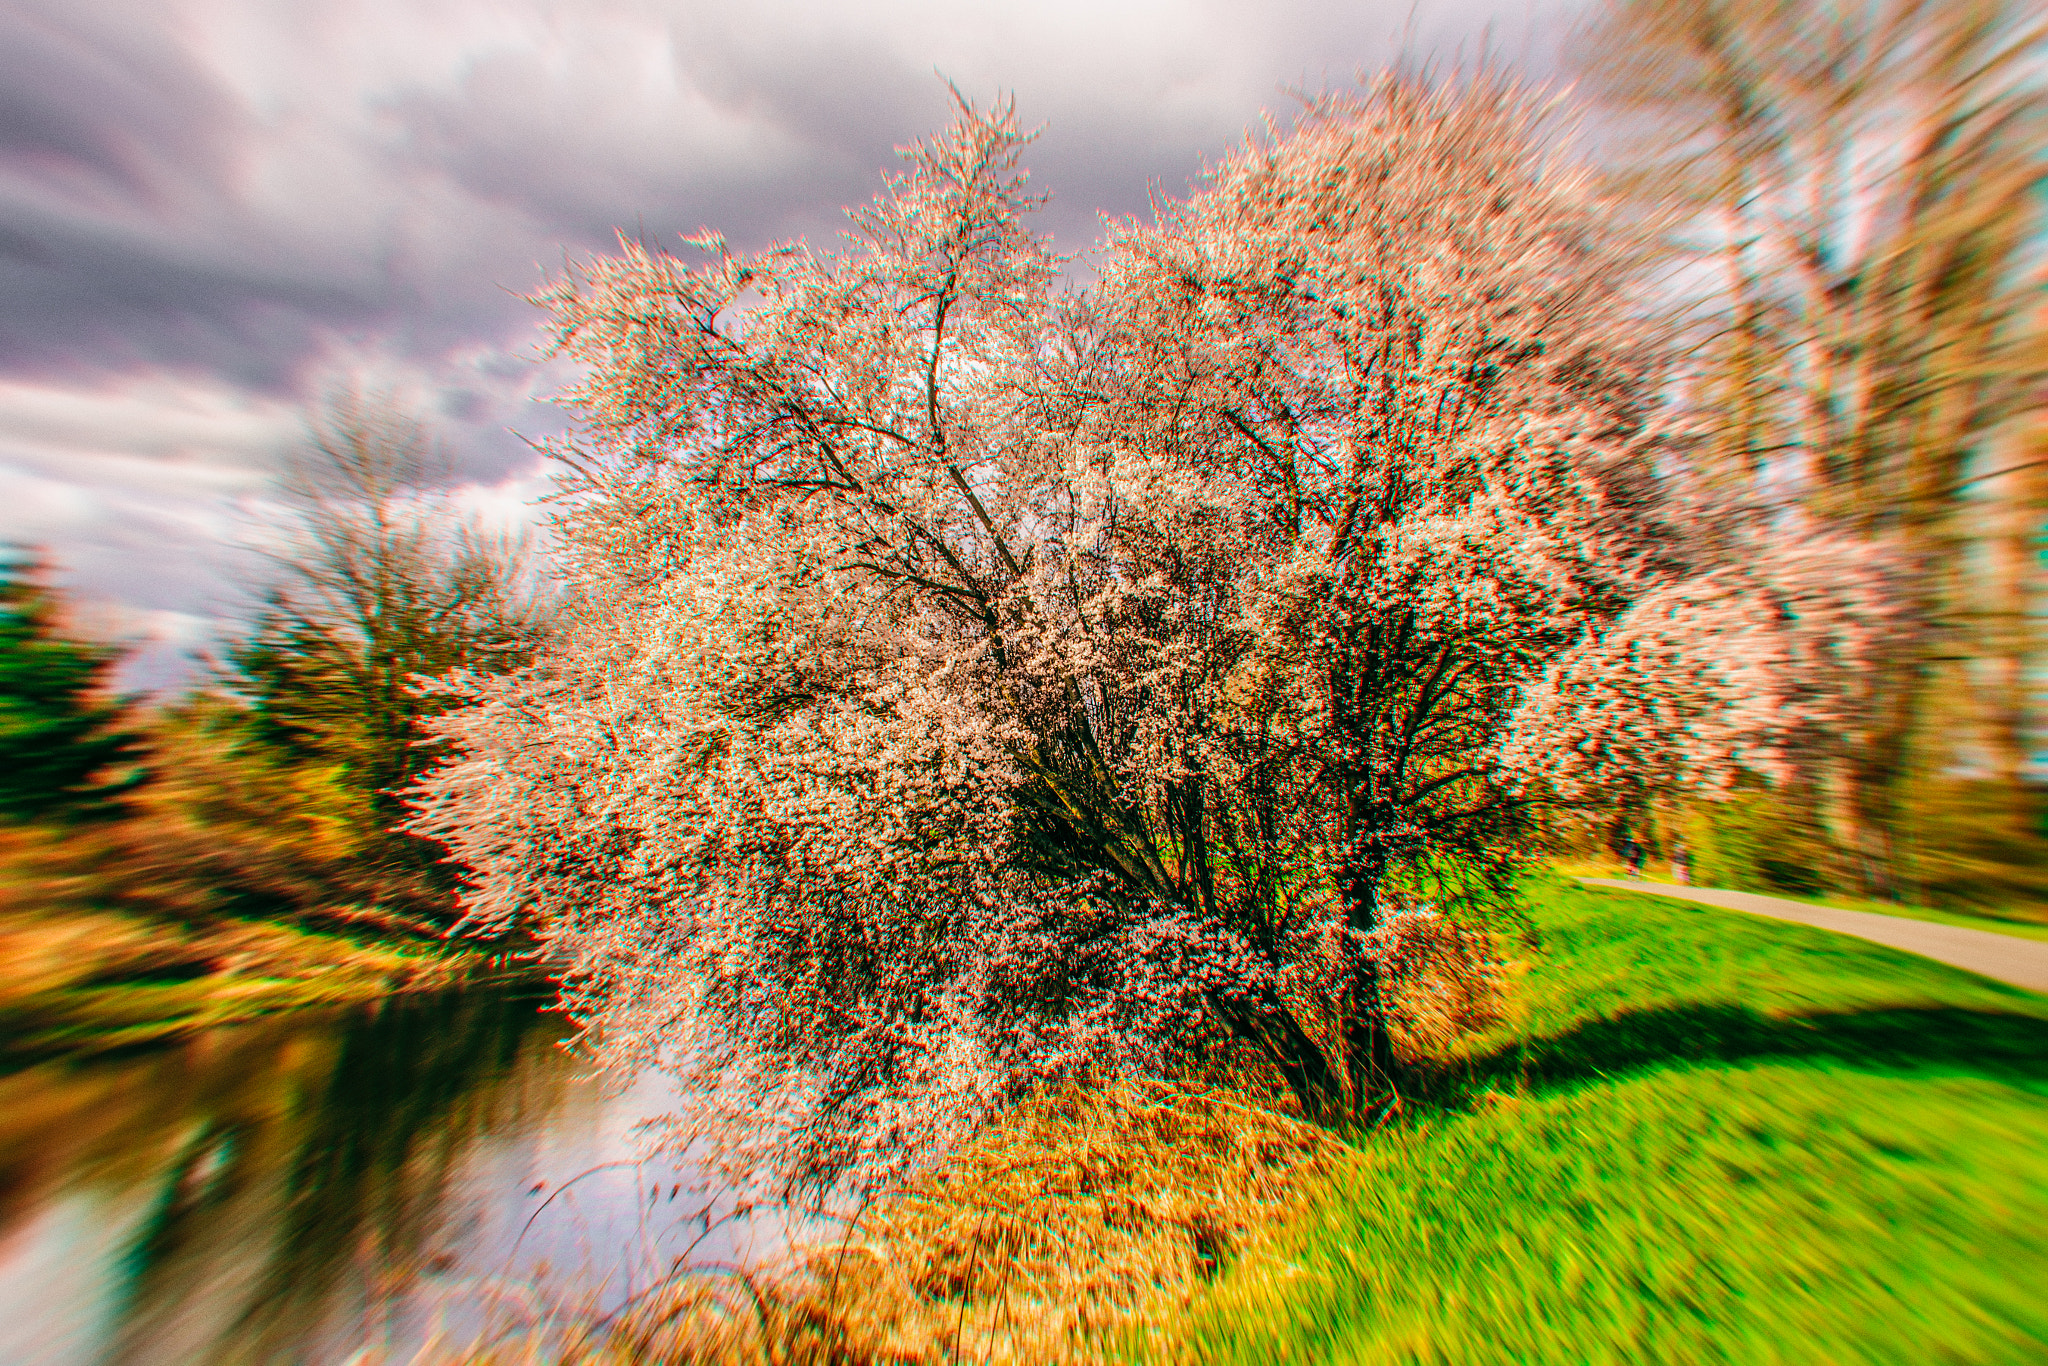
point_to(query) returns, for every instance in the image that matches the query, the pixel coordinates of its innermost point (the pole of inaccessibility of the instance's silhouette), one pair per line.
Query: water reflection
(298, 1190)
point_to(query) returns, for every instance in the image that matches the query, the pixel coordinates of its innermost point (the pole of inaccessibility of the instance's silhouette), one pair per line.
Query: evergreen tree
(60, 729)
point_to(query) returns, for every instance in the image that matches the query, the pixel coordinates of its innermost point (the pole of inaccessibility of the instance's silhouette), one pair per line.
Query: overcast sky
(210, 210)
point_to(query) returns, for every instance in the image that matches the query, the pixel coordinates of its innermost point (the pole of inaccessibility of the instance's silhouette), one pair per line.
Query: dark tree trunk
(1368, 1049)
(1268, 1025)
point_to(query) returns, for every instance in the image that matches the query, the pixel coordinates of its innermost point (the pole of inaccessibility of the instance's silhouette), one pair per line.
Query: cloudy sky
(211, 210)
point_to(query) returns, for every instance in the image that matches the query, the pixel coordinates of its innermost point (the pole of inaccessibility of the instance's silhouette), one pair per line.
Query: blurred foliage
(98, 955)
(1979, 843)
(1863, 190)
(239, 854)
(1975, 844)
(229, 824)
(380, 583)
(1758, 842)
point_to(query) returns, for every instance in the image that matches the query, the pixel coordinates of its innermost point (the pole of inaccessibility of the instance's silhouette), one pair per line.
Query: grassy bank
(1707, 1138)
(2022, 922)
(78, 979)
(1702, 1137)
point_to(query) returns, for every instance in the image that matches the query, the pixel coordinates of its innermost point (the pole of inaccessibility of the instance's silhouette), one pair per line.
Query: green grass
(1709, 1138)
(2014, 925)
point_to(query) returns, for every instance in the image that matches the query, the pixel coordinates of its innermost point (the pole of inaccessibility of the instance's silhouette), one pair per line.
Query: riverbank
(1699, 1136)
(88, 980)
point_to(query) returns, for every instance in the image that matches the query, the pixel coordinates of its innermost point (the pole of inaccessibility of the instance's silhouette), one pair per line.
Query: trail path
(2022, 962)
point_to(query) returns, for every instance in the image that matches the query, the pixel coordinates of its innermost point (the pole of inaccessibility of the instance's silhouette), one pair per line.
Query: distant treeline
(273, 788)
(1862, 189)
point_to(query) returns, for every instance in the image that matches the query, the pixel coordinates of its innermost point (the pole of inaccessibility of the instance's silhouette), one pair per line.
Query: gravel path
(2005, 958)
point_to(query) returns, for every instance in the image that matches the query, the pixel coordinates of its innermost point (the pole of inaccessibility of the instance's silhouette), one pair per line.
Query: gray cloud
(92, 104)
(209, 208)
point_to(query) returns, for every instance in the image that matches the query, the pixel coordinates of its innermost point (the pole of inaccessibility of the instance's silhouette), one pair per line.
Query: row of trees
(1865, 183)
(61, 737)
(273, 787)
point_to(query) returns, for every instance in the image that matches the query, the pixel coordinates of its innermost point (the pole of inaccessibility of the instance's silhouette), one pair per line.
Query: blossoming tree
(971, 684)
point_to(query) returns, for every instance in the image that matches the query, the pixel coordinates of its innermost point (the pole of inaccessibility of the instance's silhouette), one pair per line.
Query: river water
(307, 1188)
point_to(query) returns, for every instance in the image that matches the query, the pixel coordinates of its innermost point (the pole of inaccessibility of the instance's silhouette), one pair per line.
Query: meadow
(1705, 1138)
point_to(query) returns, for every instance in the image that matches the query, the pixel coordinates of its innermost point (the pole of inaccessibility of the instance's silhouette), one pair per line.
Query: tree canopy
(968, 683)
(380, 584)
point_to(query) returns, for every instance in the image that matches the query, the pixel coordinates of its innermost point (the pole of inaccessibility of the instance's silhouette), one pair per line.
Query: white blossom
(970, 685)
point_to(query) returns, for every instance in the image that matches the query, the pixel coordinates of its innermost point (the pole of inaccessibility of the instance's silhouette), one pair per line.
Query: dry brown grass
(1077, 1217)
(1080, 1220)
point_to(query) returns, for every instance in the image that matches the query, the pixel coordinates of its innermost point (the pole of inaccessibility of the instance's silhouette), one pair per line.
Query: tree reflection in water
(295, 1190)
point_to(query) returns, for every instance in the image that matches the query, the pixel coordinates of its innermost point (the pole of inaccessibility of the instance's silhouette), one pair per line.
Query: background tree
(967, 685)
(64, 750)
(269, 792)
(380, 582)
(1871, 177)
